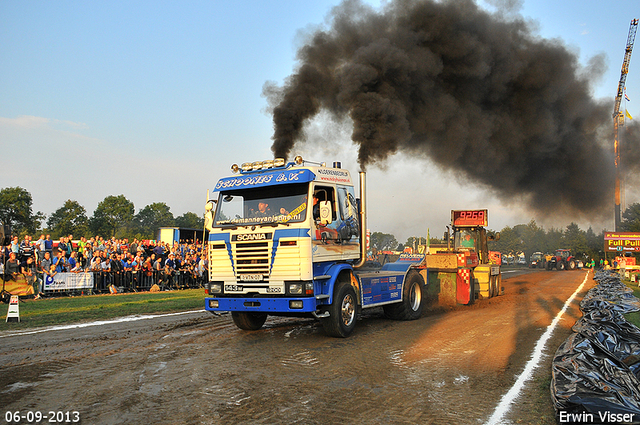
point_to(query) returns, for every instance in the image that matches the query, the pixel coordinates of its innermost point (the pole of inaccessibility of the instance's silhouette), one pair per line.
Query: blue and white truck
(287, 239)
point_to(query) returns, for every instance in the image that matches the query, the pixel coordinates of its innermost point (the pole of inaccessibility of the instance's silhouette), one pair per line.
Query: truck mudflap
(264, 305)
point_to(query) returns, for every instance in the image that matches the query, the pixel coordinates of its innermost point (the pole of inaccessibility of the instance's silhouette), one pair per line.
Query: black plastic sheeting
(596, 371)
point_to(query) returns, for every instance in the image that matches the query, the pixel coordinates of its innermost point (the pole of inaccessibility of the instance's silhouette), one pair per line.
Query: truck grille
(251, 258)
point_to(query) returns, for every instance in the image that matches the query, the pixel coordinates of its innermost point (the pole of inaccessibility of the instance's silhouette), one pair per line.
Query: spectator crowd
(115, 263)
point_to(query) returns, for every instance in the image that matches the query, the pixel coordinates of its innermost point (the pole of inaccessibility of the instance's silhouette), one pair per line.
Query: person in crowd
(147, 269)
(116, 269)
(158, 268)
(41, 248)
(15, 246)
(105, 263)
(96, 262)
(60, 262)
(69, 241)
(133, 247)
(46, 269)
(45, 264)
(72, 261)
(137, 261)
(48, 245)
(88, 254)
(82, 243)
(28, 269)
(158, 250)
(170, 269)
(26, 248)
(77, 268)
(202, 267)
(12, 267)
(62, 246)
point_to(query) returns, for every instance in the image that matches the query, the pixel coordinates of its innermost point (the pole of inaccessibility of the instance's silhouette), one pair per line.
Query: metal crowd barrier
(137, 281)
(134, 281)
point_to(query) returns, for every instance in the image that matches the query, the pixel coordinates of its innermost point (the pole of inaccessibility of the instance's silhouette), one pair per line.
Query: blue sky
(155, 101)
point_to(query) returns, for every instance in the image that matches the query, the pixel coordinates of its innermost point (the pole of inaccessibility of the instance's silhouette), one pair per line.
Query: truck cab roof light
(257, 165)
(278, 162)
(298, 160)
(247, 166)
(235, 169)
(267, 164)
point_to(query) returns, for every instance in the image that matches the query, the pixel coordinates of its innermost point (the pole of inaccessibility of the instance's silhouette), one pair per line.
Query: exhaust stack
(363, 221)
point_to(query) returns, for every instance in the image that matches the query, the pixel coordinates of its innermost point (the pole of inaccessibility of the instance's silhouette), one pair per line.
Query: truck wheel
(572, 264)
(549, 265)
(559, 265)
(412, 300)
(342, 312)
(493, 286)
(248, 321)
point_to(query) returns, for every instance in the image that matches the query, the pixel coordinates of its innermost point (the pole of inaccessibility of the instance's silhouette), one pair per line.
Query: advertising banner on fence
(68, 281)
(621, 241)
(19, 286)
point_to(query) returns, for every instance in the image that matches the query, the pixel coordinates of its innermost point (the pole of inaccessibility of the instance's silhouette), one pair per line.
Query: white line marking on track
(532, 364)
(99, 323)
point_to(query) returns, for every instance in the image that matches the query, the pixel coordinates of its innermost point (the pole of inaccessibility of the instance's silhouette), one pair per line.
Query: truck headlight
(295, 288)
(213, 288)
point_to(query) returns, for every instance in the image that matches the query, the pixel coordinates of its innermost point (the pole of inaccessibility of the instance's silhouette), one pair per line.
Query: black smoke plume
(477, 93)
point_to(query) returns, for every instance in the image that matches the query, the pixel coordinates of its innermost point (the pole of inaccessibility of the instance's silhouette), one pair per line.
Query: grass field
(634, 317)
(66, 310)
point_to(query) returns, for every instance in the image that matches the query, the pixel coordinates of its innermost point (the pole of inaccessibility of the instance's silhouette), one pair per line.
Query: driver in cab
(263, 210)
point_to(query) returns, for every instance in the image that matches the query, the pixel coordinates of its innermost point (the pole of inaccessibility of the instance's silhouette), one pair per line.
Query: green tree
(189, 220)
(114, 213)
(595, 244)
(153, 216)
(555, 240)
(631, 219)
(15, 210)
(510, 241)
(575, 240)
(383, 241)
(70, 219)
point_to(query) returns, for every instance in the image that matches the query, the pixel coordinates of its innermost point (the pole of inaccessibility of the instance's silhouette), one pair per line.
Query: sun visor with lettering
(269, 178)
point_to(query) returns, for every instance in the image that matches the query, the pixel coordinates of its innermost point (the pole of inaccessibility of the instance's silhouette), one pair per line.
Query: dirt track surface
(452, 366)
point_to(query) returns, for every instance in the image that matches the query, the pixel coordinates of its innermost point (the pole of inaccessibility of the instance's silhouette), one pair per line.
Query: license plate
(250, 277)
(232, 288)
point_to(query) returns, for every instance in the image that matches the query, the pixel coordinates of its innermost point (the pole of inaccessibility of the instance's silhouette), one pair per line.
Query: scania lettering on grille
(252, 237)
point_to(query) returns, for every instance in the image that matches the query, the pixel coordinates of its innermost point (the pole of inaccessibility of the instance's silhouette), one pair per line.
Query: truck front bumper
(265, 305)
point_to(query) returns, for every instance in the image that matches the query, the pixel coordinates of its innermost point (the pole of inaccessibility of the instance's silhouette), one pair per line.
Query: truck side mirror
(325, 212)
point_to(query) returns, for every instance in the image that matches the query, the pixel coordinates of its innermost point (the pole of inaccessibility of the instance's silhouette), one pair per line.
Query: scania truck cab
(285, 238)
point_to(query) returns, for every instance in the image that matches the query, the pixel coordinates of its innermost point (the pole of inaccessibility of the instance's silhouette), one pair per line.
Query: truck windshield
(264, 205)
(464, 238)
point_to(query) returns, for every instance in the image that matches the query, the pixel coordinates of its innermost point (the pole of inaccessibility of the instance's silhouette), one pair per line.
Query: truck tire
(560, 265)
(342, 312)
(248, 321)
(571, 265)
(412, 300)
(549, 265)
(493, 286)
